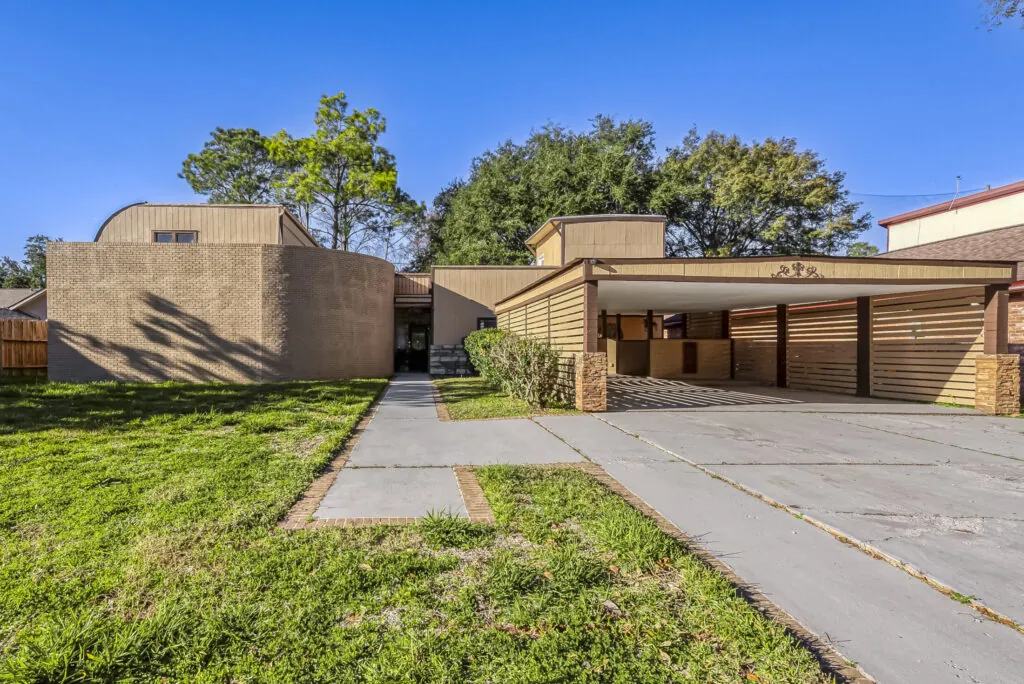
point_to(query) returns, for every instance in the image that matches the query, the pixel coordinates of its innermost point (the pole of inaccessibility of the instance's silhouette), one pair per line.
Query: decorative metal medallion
(797, 270)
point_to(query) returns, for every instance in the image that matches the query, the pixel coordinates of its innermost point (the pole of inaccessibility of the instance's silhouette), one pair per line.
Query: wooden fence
(22, 346)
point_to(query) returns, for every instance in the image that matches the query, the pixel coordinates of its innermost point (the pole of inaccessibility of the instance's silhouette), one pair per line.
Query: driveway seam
(843, 537)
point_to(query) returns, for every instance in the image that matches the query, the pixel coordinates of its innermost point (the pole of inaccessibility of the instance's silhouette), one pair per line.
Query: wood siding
(924, 345)
(215, 224)
(754, 336)
(22, 344)
(551, 249)
(462, 294)
(614, 239)
(412, 284)
(822, 353)
(558, 320)
(704, 326)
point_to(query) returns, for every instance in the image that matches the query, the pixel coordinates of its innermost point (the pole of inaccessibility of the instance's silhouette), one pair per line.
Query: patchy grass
(138, 542)
(474, 399)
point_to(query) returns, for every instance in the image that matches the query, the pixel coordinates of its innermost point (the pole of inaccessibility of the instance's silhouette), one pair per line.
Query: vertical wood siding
(924, 345)
(412, 284)
(22, 344)
(754, 347)
(463, 294)
(610, 239)
(822, 353)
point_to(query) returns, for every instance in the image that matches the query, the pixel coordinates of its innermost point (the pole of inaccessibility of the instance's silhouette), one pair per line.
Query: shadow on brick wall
(179, 346)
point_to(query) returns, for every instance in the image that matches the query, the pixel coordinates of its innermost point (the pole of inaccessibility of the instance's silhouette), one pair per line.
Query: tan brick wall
(591, 381)
(216, 313)
(998, 383)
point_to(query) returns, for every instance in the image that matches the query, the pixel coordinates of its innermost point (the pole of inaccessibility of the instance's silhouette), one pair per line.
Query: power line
(937, 194)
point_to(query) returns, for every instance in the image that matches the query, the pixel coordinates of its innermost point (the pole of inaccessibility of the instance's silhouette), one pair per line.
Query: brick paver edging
(439, 405)
(473, 496)
(834, 663)
(299, 514)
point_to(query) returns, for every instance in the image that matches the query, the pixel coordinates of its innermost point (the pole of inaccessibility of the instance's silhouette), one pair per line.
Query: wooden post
(997, 322)
(686, 325)
(604, 323)
(649, 322)
(781, 344)
(727, 335)
(618, 326)
(865, 333)
(726, 332)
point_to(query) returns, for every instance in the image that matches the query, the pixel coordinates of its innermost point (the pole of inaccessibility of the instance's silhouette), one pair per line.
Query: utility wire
(937, 194)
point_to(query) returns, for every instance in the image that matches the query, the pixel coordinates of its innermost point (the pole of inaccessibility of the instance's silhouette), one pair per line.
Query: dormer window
(176, 236)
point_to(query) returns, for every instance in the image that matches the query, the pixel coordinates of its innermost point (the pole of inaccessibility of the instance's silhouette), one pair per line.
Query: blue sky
(100, 102)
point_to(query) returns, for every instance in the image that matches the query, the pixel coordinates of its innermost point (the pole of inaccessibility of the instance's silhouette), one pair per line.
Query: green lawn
(473, 399)
(138, 542)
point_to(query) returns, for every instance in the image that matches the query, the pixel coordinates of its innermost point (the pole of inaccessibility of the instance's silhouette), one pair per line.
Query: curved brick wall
(217, 313)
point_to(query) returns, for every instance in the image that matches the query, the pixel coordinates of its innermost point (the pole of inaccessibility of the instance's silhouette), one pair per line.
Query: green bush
(478, 346)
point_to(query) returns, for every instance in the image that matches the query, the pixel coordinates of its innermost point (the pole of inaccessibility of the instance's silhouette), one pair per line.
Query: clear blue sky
(100, 102)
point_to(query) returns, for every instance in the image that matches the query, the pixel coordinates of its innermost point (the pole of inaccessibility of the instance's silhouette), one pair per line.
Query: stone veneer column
(592, 381)
(997, 389)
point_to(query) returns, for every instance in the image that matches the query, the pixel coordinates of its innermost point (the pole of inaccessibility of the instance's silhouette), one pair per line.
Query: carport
(920, 330)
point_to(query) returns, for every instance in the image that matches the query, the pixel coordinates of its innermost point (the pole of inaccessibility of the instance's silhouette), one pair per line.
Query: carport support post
(591, 366)
(727, 335)
(781, 344)
(649, 323)
(864, 334)
(997, 373)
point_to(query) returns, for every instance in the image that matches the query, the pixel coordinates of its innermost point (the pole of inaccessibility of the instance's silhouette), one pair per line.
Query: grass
(473, 399)
(138, 542)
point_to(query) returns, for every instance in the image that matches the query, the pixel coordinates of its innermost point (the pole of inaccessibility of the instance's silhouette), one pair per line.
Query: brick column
(592, 381)
(997, 384)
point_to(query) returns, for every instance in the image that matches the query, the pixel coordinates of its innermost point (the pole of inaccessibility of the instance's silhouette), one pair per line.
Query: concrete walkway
(896, 627)
(401, 467)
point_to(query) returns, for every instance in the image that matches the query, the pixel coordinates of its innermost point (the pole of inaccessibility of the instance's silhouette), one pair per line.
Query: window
(486, 323)
(540, 259)
(179, 236)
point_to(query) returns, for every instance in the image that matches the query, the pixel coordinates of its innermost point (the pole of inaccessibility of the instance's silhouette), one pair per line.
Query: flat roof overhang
(681, 285)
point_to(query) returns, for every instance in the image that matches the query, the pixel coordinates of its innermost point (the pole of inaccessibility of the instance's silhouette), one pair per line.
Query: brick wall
(216, 313)
(1016, 337)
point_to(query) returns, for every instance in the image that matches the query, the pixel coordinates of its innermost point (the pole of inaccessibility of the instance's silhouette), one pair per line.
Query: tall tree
(30, 272)
(428, 243)
(723, 197)
(347, 178)
(1000, 11)
(511, 190)
(234, 167)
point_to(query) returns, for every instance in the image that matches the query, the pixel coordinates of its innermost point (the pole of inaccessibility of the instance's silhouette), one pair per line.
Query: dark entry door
(419, 343)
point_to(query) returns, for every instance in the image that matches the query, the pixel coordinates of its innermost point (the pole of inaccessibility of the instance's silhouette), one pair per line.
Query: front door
(419, 343)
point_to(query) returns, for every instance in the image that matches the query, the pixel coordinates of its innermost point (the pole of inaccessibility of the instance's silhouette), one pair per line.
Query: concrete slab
(1003, 436)
(408, 397)
(766, 438)
(425, 443)
(392, 493)
(598, 440)
(896, 627)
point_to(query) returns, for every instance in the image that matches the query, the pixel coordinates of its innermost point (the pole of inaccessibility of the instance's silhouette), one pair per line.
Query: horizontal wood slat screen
(924, 345)
(822, 349)
(22, 344)
(558, 320)
(412, 283)
(754, 334)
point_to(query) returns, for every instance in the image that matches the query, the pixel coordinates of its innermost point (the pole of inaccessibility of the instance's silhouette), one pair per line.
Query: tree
(234, 167)
(31, 271)
(1004, 10)
(723, 197)
(861, 249)
(428, 243)
(513, 189)
(347, 179)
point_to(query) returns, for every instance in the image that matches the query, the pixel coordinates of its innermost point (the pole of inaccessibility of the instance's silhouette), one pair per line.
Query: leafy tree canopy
(721, 196)
(1000, 11)
(234, 168)
(30, 272)
(347, 177)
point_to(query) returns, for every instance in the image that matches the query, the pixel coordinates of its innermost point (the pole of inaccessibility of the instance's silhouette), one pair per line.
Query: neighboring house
(987, 225)
(245, 294)
(22, 303)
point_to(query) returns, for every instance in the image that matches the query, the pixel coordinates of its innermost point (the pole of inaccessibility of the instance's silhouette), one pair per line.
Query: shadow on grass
(35, 407)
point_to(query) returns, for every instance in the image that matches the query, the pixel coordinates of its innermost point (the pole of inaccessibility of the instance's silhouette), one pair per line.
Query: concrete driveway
(939, 489)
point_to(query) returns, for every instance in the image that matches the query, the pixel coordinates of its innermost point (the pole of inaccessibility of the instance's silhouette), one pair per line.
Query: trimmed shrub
(527, 369)
(478, 346)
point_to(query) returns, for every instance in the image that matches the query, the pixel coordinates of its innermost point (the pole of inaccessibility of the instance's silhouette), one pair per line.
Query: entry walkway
(402, 465)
